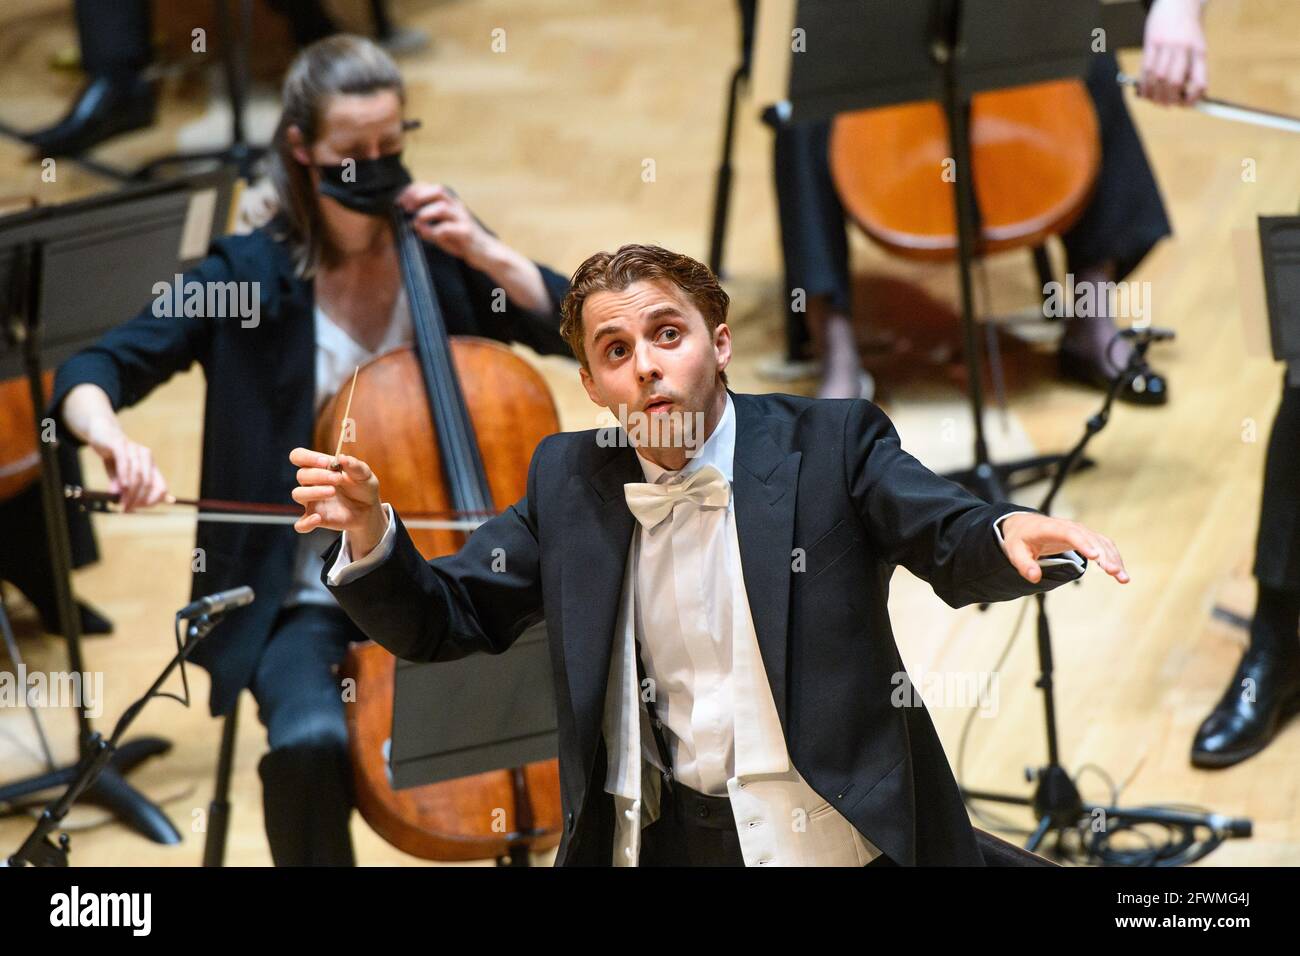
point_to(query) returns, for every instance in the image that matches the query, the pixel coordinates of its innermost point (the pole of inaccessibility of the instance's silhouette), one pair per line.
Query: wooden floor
(547, 142)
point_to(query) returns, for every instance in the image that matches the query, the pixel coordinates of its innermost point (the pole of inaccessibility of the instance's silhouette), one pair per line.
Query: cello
(20, 462)
(451, 424)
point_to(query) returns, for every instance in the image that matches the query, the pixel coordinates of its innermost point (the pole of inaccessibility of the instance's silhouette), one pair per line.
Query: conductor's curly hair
(615, 271)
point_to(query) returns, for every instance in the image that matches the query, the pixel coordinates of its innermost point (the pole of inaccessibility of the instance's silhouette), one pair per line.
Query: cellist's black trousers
(306, 776)
(114, 37)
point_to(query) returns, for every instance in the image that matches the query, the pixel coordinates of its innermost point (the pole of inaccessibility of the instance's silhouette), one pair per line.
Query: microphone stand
(1056, 801)
(97, 753)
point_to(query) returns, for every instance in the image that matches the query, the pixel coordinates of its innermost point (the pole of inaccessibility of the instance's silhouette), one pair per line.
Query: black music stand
(481, 713)
(1279, 246)
(869, 53)
(68, 274)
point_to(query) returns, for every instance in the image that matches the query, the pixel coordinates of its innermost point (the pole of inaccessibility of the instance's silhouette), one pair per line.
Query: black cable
(989, 820)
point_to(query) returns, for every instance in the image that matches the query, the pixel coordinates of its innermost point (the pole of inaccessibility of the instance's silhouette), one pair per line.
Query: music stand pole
(982, 478)
(111, 788)
(990, 481)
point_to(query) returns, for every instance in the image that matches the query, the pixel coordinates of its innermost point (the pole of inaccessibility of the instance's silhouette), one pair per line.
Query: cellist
(325, 278)
(1121, 224)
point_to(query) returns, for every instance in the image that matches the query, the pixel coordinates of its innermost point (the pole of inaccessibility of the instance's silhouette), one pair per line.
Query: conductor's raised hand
(1027, 537)
(346, 499)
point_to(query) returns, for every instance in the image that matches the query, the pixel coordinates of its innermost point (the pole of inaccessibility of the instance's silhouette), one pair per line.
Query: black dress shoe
(106, 108)
(1238, 726)
(1145, 387)
(93, 624)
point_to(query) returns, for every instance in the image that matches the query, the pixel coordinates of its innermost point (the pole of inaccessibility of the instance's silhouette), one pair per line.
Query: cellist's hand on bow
(132, 472)
(1173, 53)
(342, 500)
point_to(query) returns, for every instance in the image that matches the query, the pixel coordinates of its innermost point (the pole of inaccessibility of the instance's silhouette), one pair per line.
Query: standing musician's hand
(440, 217)
(131, 469)
(1173, 53)
(343, 500)
(1027, 537)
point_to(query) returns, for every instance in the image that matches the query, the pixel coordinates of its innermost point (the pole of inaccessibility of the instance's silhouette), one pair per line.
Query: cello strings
(462, 463)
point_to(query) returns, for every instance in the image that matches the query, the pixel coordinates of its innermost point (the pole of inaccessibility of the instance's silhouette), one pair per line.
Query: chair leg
(214, 844)
(383, 22)
(1043, 266)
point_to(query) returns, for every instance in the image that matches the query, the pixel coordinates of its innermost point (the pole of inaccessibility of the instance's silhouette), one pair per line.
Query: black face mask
(367, 185)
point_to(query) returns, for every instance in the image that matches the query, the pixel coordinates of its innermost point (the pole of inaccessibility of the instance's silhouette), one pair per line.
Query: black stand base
(240, 155)
(1056, 803)
(993, 481)
(111, 790)
(1058, 806)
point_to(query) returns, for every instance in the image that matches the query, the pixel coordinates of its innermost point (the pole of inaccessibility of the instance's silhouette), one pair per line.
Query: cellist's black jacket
(828, 477)
(260, 388)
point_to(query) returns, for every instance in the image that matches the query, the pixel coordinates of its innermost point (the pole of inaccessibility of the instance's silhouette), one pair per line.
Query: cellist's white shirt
(337, 356)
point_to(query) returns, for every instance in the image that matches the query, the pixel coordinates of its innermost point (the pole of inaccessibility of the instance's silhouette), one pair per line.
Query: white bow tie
(651, 503)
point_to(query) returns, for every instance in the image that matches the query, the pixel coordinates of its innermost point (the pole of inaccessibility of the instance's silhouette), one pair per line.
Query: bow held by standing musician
(324, 276)
(737, 570)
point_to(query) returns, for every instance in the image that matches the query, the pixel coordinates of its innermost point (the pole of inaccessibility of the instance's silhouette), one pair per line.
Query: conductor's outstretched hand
(1027, 537)
(340, 494)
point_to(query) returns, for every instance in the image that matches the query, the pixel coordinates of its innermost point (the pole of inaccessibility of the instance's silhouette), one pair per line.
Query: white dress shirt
(683, 620)
(685, 602)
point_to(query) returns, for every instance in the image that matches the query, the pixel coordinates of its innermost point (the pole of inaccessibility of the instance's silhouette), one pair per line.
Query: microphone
(218, 603)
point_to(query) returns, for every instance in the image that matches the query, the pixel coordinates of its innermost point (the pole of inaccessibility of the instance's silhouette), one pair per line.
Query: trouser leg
(306, 775)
